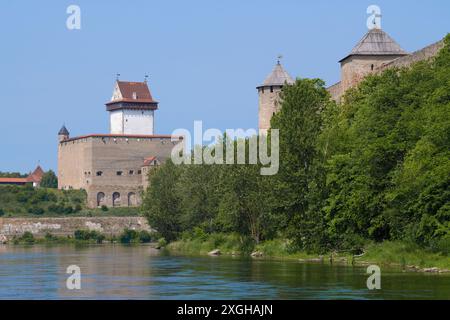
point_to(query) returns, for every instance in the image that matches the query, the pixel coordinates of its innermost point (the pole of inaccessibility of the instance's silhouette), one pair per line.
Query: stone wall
(109, 167)
(10, 227)
(269, 104)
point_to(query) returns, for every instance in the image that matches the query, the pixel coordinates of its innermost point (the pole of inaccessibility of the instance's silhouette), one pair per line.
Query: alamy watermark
(223, 149)
(73, 21)
(374, 280)
(73, 282)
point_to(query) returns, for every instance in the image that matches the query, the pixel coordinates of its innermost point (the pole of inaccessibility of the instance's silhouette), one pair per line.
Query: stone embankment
(112, 226)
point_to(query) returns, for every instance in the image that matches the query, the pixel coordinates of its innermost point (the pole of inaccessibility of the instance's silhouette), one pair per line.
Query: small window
(371, 67)
(131, 172)
(139, 171)
(271, 89)
(119, 173)
(99, 173)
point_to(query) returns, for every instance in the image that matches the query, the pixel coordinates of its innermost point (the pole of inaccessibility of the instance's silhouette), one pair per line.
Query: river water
(140, 272)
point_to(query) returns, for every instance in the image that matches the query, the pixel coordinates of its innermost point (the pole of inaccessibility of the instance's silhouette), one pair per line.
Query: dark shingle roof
(63, 131)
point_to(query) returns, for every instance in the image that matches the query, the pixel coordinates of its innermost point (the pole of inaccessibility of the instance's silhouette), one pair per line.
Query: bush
(162, 242)
(26, 238)
(129, 236)
(2, 213)
(36, 210)
(86, 235)
(104, 208)
(144, 236)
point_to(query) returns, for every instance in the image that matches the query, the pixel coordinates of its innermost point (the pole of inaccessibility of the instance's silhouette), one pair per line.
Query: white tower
(131, 109)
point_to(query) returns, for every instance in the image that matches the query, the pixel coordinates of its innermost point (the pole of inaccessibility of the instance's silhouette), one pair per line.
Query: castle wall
(109, 168)
(355, 68)
(74, 158)
(268, 105)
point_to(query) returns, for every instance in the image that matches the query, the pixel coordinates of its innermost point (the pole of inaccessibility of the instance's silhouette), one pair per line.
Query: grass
(26, 201)
(404, 254)
(386, 253)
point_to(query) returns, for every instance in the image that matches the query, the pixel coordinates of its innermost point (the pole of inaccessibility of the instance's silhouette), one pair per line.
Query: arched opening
(132, 199)
(372, 67)
(100, 199)
(116, 199)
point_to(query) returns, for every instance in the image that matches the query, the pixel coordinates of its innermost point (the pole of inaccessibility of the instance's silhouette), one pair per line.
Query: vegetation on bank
(369, 175)
(388, 253)
(26, 201)
(88, 236)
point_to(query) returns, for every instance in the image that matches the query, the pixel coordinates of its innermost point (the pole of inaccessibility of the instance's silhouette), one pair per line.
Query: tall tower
(373, 50)
(269, 95)
(131, 109)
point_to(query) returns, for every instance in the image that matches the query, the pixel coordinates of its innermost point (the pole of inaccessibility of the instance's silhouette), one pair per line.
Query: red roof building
(34, 178)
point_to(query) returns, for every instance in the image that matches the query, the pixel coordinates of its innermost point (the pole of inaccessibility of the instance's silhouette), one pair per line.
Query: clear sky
(204, 58)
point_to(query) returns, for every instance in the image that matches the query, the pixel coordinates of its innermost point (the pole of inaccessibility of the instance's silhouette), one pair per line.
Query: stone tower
(131, 109)
(373, 50)
(63, 134)
(269, 96)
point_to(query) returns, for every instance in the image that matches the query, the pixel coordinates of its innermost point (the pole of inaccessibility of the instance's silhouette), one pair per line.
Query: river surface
(139, 272)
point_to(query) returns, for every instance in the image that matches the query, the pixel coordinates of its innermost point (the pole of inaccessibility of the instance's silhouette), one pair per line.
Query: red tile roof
(14, 180)
(36, 176)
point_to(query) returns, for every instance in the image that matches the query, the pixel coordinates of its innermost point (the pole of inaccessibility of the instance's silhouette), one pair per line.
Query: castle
(375, 52)
(113, 167)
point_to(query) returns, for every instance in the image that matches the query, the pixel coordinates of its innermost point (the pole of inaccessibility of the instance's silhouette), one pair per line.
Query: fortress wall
(74, 157)
(335, 91)
(10, 227)
(420, 55)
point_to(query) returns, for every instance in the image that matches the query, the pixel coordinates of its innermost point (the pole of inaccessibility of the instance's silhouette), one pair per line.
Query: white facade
(126, 121)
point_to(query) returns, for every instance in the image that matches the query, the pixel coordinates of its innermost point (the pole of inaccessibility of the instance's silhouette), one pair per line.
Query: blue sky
(204, 58)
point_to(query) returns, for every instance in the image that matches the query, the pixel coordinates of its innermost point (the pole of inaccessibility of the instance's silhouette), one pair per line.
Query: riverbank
(409, 257)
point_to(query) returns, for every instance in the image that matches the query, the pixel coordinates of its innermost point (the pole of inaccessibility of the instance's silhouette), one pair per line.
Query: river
(140, 272)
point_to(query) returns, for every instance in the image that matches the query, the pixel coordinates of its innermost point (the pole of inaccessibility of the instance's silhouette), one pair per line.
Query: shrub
(86, 235)
(144, 236)
(36, 210)
(162, 242)
(77, 208)
(2, 213)
(26, 238)
(129, 236)
(104, 208)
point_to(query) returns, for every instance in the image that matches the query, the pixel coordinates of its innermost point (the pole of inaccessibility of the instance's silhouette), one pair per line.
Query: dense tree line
(375, 167)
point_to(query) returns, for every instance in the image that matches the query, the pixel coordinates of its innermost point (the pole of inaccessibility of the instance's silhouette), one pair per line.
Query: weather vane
(279, 57)
(146, 78)
(117, 76)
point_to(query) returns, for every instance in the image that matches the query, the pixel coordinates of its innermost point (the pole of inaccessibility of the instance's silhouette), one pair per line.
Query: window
(99, 173)
(271, 89)
(371, 67)
(116, 199)
(119, 173)
(139, 171)
(100, 199)
(131, 172)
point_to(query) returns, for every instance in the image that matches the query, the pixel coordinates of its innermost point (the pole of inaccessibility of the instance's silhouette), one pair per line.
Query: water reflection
(140, 272)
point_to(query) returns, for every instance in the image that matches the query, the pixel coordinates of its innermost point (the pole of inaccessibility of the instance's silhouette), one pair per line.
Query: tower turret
(131, 109)
(373, 50)
(63, 134)
(269, 95)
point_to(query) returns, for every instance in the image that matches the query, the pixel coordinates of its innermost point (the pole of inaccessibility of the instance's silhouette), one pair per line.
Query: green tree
(49, 180)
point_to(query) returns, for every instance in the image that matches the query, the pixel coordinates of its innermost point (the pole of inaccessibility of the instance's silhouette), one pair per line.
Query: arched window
(100, 199)
(116, 199)
(132, 199)
(372, 67)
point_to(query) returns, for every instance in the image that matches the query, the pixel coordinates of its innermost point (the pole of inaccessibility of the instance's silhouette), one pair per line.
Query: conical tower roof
(63, 131)
(278, 77)
(376, 42)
